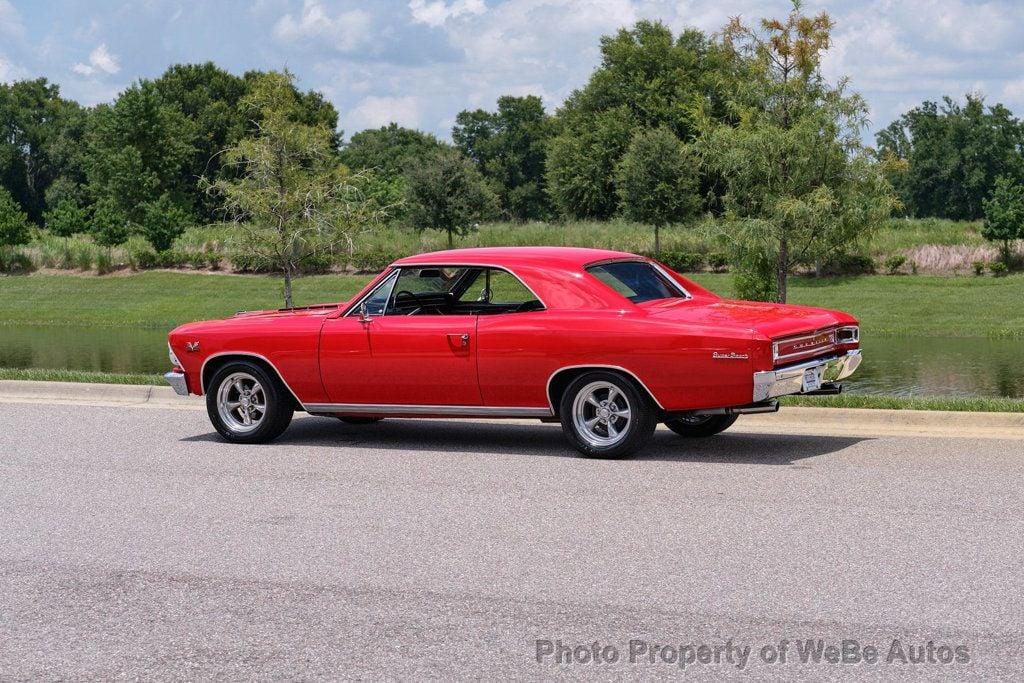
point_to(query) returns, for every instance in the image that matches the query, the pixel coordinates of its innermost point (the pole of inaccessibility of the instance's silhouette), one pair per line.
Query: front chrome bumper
(177, 382)
(790, 379)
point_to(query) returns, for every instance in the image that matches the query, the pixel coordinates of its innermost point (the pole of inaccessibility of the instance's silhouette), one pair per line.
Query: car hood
(315, 309)
(771, 320)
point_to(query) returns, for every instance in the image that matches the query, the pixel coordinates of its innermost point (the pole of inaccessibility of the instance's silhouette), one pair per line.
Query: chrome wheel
(241, 402)
(601, 414)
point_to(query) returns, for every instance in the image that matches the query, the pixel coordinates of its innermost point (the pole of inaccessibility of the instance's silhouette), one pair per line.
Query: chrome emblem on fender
(732, 355)
(192, 346)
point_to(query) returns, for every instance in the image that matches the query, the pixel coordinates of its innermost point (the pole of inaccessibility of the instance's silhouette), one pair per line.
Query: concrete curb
(12, 390)
(837, 421)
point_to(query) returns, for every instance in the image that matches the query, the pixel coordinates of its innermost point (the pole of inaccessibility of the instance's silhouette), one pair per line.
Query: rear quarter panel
(518, 353)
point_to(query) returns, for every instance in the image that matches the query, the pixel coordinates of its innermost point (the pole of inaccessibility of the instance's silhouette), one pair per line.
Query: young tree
(656, 181)
(509, 148)
(292, 203)
(1004, 215)
(14, 228)
(66, 218)
(800, 187)
(162, 221)
(446, 192)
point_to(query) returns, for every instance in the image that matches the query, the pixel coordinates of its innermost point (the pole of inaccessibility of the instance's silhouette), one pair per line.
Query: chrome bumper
(177, 382)
(790, 380)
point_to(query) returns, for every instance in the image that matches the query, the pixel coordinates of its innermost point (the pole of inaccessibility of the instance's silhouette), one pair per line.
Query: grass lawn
(885, 305)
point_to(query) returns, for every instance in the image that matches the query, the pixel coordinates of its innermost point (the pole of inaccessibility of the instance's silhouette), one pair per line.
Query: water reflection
(929, 366)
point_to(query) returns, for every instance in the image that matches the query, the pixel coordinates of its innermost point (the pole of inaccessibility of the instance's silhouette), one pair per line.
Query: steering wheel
(406, 293)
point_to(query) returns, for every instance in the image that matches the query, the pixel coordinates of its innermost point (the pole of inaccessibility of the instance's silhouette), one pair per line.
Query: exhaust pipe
(752, 409)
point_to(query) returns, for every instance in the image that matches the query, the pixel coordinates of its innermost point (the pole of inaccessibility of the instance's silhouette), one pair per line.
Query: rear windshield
(638, 281)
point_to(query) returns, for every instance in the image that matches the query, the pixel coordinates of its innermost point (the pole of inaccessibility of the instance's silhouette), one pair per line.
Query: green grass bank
(886, 305)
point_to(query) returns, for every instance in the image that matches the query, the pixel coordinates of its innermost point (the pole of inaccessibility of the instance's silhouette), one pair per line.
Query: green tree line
(740, 125)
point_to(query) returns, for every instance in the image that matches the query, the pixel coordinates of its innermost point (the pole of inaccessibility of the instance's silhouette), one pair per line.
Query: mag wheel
(696, 426)
(606, 415)
(248, 405)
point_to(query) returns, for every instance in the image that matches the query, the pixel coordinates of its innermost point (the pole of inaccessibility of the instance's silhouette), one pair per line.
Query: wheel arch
(560, 380)
(218, 360)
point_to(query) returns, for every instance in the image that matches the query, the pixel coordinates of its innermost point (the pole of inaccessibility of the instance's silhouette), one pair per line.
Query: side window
(498, 291)
(377, 302)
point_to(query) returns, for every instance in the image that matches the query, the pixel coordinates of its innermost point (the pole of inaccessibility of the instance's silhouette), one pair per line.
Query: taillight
(848, 335)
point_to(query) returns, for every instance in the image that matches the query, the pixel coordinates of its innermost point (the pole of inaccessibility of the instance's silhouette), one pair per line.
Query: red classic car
(607, 343)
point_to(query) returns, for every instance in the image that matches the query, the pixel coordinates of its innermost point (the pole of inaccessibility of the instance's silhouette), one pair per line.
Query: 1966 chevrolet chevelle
(608, 343)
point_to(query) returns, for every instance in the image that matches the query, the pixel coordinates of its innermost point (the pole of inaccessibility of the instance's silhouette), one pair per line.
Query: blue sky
(419, 62)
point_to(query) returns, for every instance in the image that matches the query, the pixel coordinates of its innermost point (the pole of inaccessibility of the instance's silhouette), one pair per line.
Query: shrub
(680, 261)
(15, 262)
(104, 262)
(754, 277)
(66, 219)
(998, 269)
(248, 262)
(913, 267)
(14, 227)
(163, 221)
(718, 261)
(375, 259)
(140, 252)
(894, 263)
(849, 264)
(979, 267)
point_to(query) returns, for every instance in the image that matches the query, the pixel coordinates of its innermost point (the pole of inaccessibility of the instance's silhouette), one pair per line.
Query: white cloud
(437, 12)
(10, 20)
(374, 112)
(343, 31)
(101, 61)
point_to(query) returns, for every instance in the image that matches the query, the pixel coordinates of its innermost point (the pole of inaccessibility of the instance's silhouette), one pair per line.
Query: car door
(399, 355)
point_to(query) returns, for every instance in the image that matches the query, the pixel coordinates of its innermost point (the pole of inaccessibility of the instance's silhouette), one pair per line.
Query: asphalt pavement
(134, 543)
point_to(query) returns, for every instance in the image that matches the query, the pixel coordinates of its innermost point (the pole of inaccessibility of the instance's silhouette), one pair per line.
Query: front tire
(606, 415)
(700, 426)
(246, 404)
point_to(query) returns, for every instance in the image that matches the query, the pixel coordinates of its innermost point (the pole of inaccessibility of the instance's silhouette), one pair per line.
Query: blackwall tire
(606, 415)
(246, 404)
(697, 429)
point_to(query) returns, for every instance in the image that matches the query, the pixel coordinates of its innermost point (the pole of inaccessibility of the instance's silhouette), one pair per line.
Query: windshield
(638, 281)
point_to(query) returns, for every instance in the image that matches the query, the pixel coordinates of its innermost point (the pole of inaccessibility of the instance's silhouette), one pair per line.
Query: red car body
(692, 352)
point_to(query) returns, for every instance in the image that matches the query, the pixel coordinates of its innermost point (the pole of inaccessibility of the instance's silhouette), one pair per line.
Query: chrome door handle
(462, 339)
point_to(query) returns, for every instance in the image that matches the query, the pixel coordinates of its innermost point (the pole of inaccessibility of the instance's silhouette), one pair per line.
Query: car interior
(451, 291)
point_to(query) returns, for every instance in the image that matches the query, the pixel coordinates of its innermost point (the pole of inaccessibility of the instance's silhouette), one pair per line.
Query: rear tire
(246, 404)
(606, 415)
(700, 426)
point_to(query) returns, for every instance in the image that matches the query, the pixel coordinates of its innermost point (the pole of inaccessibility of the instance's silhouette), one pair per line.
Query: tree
(800, 187)
(656, 180)
(509, 148)
(138, 149)
(162, 221)
(66, 219)
(388, 150)
(953, 154)
(291, 201)
(1004, 215)
(40, 133)
(647, 79)
(14, 226)
(446, 192)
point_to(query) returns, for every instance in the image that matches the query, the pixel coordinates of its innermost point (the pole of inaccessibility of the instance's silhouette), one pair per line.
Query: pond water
(929, 366)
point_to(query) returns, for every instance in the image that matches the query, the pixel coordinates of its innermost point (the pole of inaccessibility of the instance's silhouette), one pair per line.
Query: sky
(420, 62)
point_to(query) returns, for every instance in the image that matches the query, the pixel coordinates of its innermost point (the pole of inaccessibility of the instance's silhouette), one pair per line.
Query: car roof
(561, 257)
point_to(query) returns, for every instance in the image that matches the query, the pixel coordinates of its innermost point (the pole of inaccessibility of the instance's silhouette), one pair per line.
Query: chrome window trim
(653, 264)
(398, 268)
(414, 409)
(202, 370)
(392, 277)
(596, 366)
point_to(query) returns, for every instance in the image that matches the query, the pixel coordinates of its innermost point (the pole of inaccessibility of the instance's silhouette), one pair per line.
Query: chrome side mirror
(364, 315)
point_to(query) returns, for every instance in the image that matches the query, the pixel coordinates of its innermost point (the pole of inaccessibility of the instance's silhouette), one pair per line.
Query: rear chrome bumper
(177, 382)
(790, 380)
